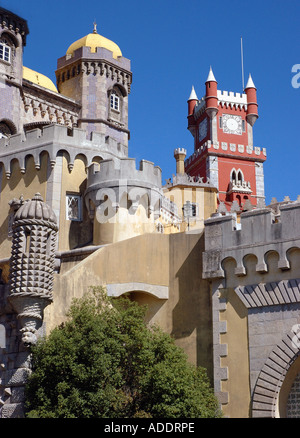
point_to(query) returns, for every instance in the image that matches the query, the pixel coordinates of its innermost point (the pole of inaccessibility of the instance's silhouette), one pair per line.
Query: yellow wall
(204, 197)
(28, 185)
(127, 261)
(172, 261)
(123, 225)
(72, 233)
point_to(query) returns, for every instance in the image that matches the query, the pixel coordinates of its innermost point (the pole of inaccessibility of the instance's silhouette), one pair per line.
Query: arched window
(240, 176)
(115, 101)
(115, 104)
(7, 128)
(7, 47)
(5, 50)
(233, 176)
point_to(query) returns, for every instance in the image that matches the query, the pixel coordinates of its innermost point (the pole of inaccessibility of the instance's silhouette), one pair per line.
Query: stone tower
(96, 75)
(13, 32)
(221, 123)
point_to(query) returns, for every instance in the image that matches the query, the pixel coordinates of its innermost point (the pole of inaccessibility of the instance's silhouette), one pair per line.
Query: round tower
(13, 33)
(211, 95)
(192, 100)
(252, 113)
(124, 201)
(180, 154)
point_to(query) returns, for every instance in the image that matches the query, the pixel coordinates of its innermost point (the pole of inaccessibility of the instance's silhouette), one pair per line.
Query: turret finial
(250, 83)
(95, 27)
(211, 76)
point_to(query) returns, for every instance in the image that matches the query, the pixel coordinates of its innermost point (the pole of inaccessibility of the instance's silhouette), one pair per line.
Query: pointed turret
(211, 95)
(250, 90)
(192, 100)
(211, 76)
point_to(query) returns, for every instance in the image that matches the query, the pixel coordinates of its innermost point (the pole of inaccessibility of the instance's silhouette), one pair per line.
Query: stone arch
(228, 265)
(272, 375)
(83, 158)
(7, 128)
(293, 256)
(97, 159)
(10, 37)
(289, 394)
(272, 258)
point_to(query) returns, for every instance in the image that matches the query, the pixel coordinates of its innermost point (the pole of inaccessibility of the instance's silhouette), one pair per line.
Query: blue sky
(171, 45)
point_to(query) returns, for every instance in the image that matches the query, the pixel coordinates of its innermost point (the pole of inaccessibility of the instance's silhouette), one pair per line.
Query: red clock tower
(221, 123)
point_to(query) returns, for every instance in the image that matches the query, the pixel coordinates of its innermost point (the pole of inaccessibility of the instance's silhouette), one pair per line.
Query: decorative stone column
(34, 231)
(32, 264)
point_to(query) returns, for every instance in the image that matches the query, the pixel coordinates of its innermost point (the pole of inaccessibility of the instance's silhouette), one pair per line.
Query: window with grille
(73, 207)
(115, 101)
(5, 51)
(190, 209)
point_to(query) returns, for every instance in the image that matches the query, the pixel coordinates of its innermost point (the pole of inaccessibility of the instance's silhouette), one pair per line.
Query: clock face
(202, 129)
(232, 124)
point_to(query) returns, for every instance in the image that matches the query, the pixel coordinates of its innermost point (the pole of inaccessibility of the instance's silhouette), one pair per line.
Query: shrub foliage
(104, 362)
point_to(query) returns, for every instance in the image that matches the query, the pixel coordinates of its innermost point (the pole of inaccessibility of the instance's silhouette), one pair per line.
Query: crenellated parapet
(249, 152)
(101, 63)
(227, 99)
(13, 23)
(54, 139)
(118, 180)
(258, 233)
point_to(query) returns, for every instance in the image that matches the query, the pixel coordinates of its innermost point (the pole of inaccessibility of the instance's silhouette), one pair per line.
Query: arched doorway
(289, 396)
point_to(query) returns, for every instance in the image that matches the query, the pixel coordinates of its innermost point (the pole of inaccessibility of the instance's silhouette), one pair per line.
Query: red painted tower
(221, 123)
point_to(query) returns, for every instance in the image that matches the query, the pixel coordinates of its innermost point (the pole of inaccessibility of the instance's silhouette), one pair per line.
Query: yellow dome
(39, 79)
(94, 40)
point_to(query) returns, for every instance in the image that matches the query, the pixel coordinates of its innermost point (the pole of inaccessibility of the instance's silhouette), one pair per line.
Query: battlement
(187, 180)
(101, 62)
(178, 151)
(53, 139)
(118, 171)
(200, 107)
(118, 180)
(254, 153)
(258, 233)
(100, 53)
(229, 97)
(225, 98)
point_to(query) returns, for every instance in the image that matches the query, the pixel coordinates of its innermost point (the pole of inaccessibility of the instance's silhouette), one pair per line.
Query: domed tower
(32, 264)
(98, 77)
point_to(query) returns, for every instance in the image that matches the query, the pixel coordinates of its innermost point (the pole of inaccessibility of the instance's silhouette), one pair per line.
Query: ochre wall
(27, 184)
(205, 197)
(155, 259)
(72, 233)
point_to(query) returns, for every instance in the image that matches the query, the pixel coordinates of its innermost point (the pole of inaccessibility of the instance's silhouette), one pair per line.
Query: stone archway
(265, 398)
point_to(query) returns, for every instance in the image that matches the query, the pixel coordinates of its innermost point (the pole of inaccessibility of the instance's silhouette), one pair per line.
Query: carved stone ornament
(32, 264)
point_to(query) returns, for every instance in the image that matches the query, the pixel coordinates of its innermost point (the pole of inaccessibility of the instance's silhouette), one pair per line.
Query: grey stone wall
(259, 258)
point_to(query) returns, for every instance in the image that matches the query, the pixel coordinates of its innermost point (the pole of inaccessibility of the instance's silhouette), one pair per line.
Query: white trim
(6, 51)
(78, 198)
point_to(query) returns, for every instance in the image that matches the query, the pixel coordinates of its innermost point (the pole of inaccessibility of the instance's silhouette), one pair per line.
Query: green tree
(105, 362)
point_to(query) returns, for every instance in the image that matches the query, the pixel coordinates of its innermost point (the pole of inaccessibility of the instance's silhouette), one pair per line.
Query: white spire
(210, 76)
(250, 83)
(193, 95)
